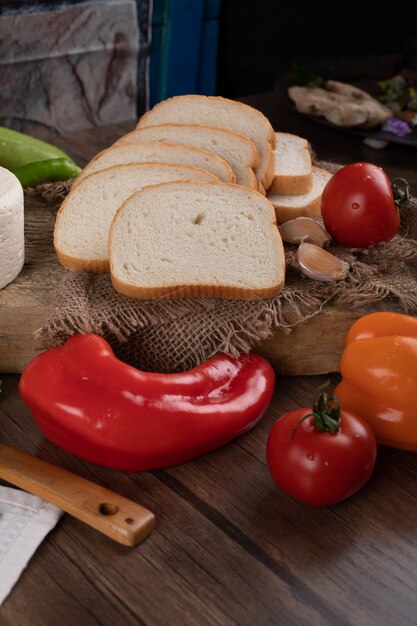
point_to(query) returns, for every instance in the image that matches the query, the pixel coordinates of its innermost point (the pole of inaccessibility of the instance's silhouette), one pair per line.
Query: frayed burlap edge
(174, 335)
(50, 194)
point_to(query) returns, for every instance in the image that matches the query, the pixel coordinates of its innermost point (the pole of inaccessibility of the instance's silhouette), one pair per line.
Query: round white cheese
(12, 242)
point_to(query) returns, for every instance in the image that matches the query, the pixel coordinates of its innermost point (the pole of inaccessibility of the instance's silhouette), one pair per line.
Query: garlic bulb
(304, 229)
(319, 264)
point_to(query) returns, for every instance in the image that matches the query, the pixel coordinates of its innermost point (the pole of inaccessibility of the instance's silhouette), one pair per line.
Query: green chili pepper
(17, 149)
(47, 171)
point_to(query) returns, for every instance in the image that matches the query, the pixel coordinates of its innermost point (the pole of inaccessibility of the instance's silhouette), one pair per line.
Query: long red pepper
(88, 402)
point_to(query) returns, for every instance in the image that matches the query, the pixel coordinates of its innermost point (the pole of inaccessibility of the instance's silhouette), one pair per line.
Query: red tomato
(358, 207)
(317, 467)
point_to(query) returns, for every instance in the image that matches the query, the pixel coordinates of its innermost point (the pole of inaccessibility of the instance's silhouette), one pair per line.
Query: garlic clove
(319, 264)
(304, 229)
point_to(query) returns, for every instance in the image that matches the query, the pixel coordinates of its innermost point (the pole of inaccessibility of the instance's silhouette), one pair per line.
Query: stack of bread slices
(297, 185)
(177, 207)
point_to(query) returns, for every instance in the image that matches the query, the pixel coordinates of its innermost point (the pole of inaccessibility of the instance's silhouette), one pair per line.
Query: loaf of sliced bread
(193, 239)
(287, 207)
(83, 222)
(151, 152)
(223, 113)
(239, 151)
(293, 169)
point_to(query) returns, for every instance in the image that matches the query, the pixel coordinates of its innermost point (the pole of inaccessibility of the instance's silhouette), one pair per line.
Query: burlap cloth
(175, 335)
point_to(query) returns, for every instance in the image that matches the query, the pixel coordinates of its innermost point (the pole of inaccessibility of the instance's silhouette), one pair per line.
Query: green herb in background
(301, 75)
(412, 99)
(392, 89)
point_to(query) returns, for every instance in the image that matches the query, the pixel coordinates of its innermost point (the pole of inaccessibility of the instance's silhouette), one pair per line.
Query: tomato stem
(326, 414)
(401, 197)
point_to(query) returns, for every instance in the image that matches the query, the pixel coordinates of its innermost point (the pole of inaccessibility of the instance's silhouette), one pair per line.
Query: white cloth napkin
(25, 520)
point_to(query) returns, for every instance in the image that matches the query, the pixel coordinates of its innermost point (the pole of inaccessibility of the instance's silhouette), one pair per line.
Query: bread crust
(228, 101)
(264, 177)
(99, 266)
(252, 182)
(102, 266)
(310, 209)
(293, 184)
(269, 174)
(249, 168)
(255, 155)
(261, 189)
(196, 291)
(225, 164)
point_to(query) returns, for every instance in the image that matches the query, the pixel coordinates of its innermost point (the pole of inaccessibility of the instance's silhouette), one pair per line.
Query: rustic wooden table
(228, 547)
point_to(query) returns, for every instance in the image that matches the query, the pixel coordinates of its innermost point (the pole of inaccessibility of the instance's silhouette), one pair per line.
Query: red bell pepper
(91, 404)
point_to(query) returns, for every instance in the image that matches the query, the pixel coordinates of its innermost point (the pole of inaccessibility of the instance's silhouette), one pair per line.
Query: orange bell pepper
(379, 369)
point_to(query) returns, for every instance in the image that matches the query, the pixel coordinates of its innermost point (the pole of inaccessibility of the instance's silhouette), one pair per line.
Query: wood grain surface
(229, 548)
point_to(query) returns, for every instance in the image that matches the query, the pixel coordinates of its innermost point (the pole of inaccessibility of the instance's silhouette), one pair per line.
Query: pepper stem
(326, 414)
(401, 197)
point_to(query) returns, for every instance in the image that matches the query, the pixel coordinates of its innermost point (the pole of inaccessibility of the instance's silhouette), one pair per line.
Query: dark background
(259, 40)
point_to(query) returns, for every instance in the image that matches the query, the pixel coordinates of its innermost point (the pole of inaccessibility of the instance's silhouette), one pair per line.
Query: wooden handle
(113, 515)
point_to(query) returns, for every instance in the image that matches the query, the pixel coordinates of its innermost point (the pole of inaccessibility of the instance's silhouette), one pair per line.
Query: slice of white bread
(239, 151)
(223, 113)
(194, 239)
(287, 207)
(293, 168)
(82, 226)
(151, 152)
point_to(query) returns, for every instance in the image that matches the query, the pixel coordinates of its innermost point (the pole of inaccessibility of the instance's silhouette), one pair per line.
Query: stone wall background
(72, 66)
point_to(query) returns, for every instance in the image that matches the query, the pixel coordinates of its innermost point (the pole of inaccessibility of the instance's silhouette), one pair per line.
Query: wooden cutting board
(313, 347)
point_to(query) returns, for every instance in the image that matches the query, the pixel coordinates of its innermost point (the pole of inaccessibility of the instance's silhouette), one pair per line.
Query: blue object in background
(184, 48)
(182, 57)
